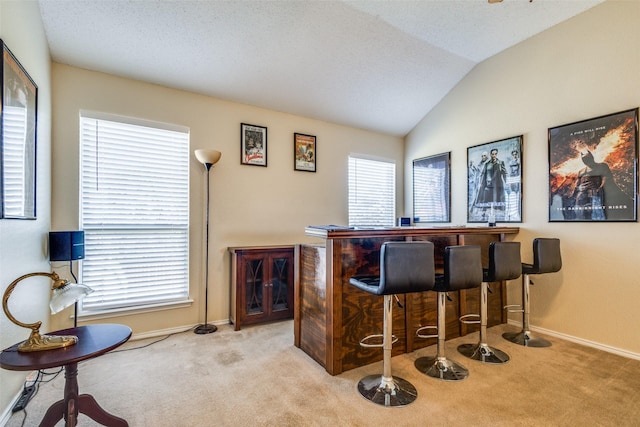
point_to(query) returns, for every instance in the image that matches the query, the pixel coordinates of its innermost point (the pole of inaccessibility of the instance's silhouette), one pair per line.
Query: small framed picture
(494, 181)
(304, 151)
(593, 169)
(253, 145)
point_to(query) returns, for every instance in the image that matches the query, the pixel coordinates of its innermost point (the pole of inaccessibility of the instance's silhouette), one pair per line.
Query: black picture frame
(18, 126)
(432, 188)
(593, 169)
(253, 145)
(305, 152)
(494, 185)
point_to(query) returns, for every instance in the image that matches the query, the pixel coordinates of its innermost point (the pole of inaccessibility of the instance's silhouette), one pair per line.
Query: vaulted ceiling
(372, 64)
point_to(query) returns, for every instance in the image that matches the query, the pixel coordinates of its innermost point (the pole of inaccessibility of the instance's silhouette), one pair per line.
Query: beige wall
(583, 68)
(23, 242)
(250, 205)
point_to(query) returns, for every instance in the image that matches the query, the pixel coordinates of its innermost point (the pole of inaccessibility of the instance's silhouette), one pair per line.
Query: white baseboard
(6, 414)
(170, 331)
(582, 341)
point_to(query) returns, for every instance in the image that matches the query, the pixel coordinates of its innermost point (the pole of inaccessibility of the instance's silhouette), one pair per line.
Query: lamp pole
(208, 158)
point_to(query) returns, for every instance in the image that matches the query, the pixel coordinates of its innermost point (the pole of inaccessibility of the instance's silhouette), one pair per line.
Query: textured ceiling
(377, 65)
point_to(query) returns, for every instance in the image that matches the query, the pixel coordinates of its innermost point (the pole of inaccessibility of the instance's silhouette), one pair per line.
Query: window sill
(107, 314)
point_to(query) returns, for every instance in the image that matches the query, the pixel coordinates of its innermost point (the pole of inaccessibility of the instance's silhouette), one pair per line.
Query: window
(134, 205)
(372, 192)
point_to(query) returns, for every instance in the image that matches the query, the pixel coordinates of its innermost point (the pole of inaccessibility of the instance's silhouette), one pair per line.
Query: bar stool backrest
(546, 256)
(462, 268)
(504, 262)
(406, 267)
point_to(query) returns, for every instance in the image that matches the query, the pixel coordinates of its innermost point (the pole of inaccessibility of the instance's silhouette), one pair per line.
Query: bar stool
(504, 264)
(405, 267)
(462, 270)
(546, 259)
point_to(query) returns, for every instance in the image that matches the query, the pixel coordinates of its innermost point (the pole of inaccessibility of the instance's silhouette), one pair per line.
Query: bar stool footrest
(364, 343)
(425, 328)
(510, 308)
(467, 319)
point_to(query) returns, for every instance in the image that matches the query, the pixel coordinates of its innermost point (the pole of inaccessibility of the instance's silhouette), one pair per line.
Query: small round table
(93, 341)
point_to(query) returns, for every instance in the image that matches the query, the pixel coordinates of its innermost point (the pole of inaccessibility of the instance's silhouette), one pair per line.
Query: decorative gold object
(64, 294)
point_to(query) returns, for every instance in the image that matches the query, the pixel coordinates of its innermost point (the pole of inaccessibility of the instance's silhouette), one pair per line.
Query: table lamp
(67, 246)
(64, 294)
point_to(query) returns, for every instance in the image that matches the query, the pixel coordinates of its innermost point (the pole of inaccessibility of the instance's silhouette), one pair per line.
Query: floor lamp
(208, 158)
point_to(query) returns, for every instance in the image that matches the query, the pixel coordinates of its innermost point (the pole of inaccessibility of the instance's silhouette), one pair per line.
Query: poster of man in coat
(494, 181)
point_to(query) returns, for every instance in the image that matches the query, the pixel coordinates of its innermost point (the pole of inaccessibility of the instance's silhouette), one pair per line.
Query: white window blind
(372, 192)
(134, 213)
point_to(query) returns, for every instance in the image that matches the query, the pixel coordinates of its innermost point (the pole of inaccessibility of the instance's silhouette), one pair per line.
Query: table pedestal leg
(73, 403)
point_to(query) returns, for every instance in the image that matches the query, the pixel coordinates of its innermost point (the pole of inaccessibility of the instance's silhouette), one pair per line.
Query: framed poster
(18, 119)
(432, 188)
(494, 181)
(304, 152)
(253, 145)
(593, 169)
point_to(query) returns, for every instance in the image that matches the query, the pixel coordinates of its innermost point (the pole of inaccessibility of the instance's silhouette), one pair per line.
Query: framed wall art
(18, 118)
(253, 145)
(593, 168)
(304, 149)
(494, 181)
(432, 188)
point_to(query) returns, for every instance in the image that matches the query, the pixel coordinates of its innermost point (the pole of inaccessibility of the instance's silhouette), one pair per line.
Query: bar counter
(331, 316)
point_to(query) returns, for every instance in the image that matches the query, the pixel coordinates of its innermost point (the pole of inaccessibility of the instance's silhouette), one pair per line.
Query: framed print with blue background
(593, 169)
(432, 188)
(494, 181)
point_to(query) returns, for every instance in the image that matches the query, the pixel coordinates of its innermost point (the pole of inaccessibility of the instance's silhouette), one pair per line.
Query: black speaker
(66, 245)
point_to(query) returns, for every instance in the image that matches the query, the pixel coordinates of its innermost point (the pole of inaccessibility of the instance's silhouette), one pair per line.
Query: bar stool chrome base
(393, 392)
(483, 353)
(526, 339)
(441, 368)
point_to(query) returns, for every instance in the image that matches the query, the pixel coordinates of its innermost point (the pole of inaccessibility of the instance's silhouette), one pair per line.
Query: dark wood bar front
(331, 316)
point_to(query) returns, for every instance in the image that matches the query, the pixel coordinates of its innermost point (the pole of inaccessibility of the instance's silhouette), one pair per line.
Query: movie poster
(494, 181)
(593, 169)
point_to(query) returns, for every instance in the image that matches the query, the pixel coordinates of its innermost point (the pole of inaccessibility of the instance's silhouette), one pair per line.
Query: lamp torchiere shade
(208, 157)
(64, 294)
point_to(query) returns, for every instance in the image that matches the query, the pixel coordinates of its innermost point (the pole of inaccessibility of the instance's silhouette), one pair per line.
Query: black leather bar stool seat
(504, 264)
(462, 270)
(405, 267)
(546, 259)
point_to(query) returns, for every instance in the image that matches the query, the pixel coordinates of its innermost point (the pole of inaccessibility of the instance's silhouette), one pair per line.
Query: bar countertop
(342, 232)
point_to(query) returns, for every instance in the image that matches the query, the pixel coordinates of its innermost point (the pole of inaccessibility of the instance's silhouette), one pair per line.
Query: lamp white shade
(208, 157)
(67, 295)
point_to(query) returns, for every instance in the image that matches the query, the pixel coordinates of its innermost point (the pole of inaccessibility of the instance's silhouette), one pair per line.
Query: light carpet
(257, 377)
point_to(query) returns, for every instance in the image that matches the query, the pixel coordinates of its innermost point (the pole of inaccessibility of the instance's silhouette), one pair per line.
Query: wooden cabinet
(262, 281)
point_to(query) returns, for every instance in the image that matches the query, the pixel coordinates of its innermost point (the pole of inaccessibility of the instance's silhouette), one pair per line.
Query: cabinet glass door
(280, 283)
(254, 286)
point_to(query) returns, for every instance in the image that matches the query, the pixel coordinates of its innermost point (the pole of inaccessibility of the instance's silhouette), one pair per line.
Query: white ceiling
(377, 65)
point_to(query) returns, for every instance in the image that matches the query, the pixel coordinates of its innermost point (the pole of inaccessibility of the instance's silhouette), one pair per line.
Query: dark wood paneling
(332, 323)
(312, 305)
